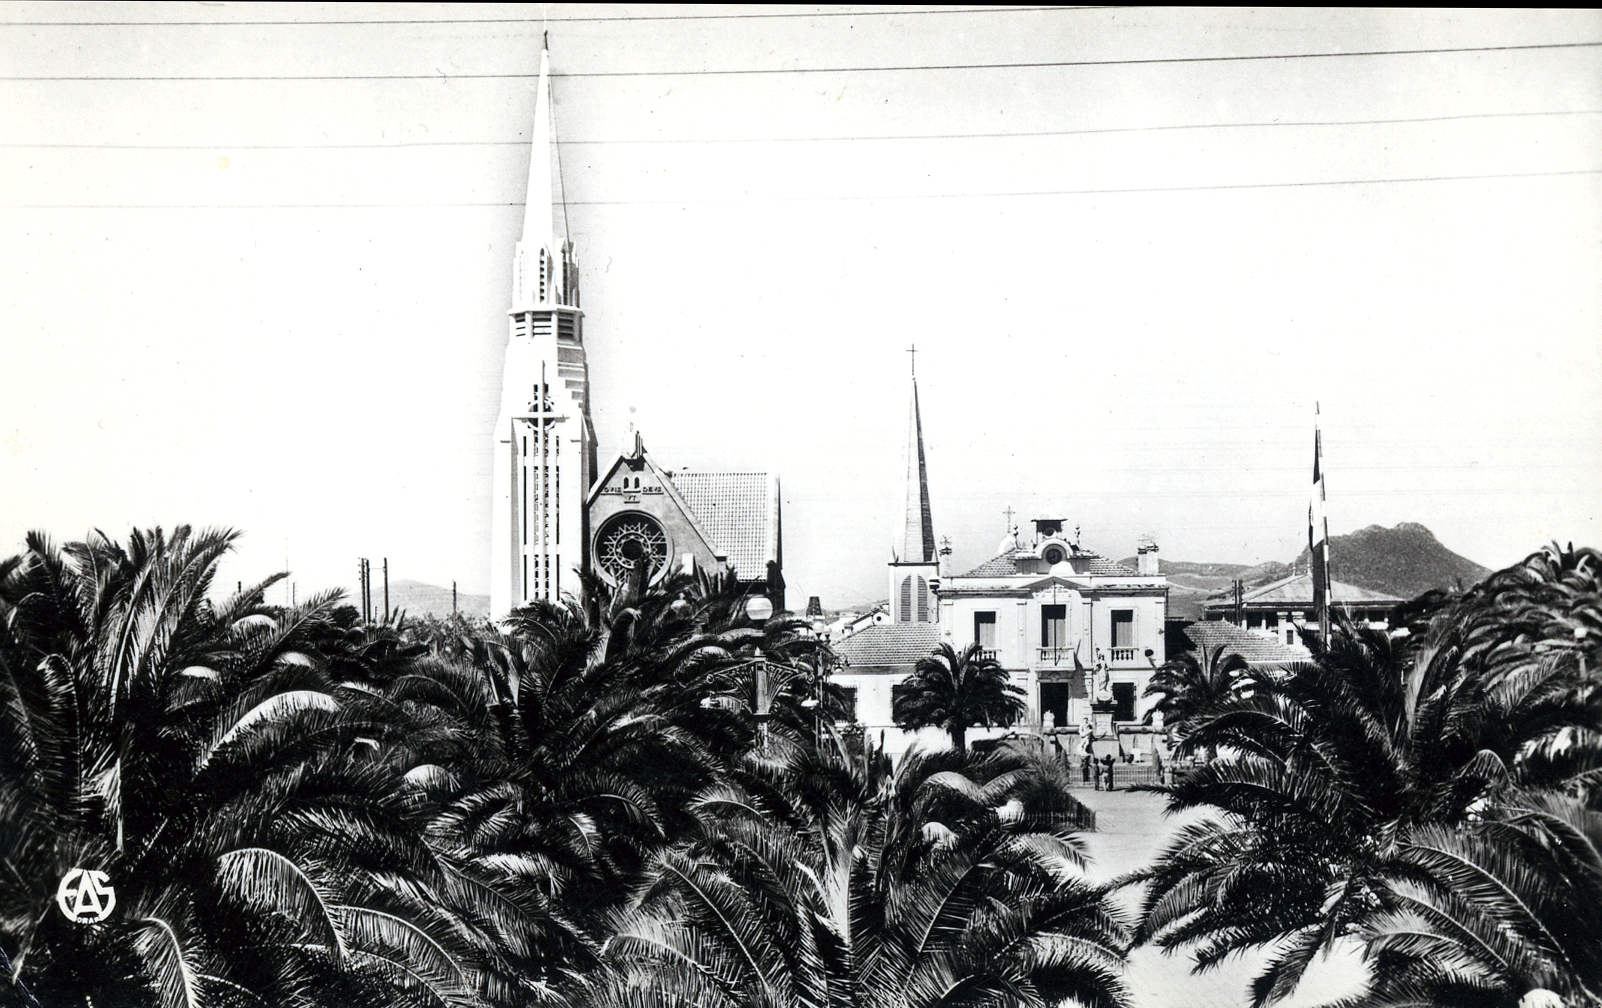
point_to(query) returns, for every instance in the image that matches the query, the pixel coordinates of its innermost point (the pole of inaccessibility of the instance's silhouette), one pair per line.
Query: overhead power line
(820, 70)
(1093, 192)
(802, 199)
(536, 20)
(814, 139)
(1075, 63)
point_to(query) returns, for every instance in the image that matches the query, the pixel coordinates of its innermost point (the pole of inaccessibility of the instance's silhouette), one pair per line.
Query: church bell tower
(544, 442)
(914, 563)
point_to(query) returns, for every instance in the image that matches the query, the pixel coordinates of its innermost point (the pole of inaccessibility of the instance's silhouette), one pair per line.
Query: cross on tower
(913, 351)
(1009, 513)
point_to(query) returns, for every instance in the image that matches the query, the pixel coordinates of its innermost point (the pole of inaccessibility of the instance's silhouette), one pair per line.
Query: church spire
(915, 538)
(543, 274)
(544, 441)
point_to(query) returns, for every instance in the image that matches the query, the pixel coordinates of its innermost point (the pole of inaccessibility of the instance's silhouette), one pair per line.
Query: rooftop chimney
(1146, 559)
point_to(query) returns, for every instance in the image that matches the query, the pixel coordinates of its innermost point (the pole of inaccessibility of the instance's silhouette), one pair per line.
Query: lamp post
(820, 672)
(763, 709)
(758, 608)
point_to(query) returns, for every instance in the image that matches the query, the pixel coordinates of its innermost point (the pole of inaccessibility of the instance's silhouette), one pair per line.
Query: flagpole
(1318, 533)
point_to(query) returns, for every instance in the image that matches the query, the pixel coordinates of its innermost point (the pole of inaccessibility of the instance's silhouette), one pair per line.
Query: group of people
(1102, 769)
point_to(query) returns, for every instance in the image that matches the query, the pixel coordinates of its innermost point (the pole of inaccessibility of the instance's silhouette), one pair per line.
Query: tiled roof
(999, 566)
(1206, 635)
(740, 511)
(1297, 590)
(889, 644)
(1108, 568)
(1084, 562)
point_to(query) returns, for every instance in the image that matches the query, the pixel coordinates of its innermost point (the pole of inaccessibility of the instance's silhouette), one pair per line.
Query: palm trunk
(959, 737)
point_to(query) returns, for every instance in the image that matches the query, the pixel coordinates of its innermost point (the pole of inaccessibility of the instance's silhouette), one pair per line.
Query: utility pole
(364, 589)
(453, 599)
(386, 589)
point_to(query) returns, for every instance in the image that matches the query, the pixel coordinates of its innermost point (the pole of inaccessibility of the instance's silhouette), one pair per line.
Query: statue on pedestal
(1103, 678)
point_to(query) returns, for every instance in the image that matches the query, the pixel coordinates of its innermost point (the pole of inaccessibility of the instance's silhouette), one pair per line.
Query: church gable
(637, 515)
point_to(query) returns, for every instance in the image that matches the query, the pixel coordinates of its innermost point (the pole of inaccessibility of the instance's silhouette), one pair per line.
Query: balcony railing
(1064, 656)
(988, 654)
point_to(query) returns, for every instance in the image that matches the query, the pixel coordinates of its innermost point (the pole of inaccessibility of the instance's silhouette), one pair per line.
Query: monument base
(1101, 716)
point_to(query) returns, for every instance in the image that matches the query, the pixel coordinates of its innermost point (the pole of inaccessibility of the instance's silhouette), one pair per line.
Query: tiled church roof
(739, 511)
(1003, 566)
(889, 644)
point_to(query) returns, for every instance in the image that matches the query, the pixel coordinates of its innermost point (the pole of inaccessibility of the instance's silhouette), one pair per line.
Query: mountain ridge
(418, 598)
(1405, 561)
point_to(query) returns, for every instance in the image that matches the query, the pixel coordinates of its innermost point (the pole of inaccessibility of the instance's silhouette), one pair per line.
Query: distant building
(1276, 610)
(1263, 653)
(555, 514)
(1054, 614)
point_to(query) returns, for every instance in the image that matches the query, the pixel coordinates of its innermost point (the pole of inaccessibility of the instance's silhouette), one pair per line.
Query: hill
(1211, 577)
(1406, 561)
(418, 598)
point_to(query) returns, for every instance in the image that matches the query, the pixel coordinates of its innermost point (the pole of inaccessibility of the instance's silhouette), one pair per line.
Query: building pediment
(1019, 587)
(1054, 585)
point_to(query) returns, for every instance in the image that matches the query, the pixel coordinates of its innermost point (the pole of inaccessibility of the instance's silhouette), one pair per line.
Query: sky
(257, 263)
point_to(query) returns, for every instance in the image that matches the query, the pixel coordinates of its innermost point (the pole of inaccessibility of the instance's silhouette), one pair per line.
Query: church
(557, 512)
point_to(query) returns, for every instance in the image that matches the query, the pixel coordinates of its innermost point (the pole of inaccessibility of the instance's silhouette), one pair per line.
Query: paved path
(1130, 831)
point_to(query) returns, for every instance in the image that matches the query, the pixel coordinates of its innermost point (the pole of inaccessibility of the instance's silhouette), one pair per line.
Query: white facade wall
(1027, 652)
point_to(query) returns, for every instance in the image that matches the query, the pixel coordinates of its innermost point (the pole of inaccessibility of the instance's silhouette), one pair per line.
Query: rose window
(626, 540)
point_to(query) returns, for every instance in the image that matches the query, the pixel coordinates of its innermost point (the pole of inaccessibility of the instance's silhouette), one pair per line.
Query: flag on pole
(1318, 533)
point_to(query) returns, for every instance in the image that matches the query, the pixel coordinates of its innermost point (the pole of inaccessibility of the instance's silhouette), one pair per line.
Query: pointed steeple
(915, 538)
(544, 440)
(543, 273)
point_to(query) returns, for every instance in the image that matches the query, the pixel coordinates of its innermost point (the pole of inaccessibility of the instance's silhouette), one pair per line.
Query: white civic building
(1066, 623)
(1060, 618)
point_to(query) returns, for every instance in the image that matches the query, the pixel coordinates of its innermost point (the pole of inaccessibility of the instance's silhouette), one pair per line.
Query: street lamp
(759, 608)
(820, 671)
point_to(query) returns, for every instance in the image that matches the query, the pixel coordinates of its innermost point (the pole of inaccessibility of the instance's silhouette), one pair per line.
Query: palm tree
(557, 760)
(1328, 776)
(956, 691)
(947, 880)
(1510, 904)
(1187, 685)
(198, 754)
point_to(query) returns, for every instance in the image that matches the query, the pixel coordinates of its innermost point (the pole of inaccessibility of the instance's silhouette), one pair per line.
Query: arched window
(904, 610)
(923, 601)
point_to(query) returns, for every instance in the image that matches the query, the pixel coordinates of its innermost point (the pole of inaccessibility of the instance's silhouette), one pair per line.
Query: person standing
(1107, 768)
